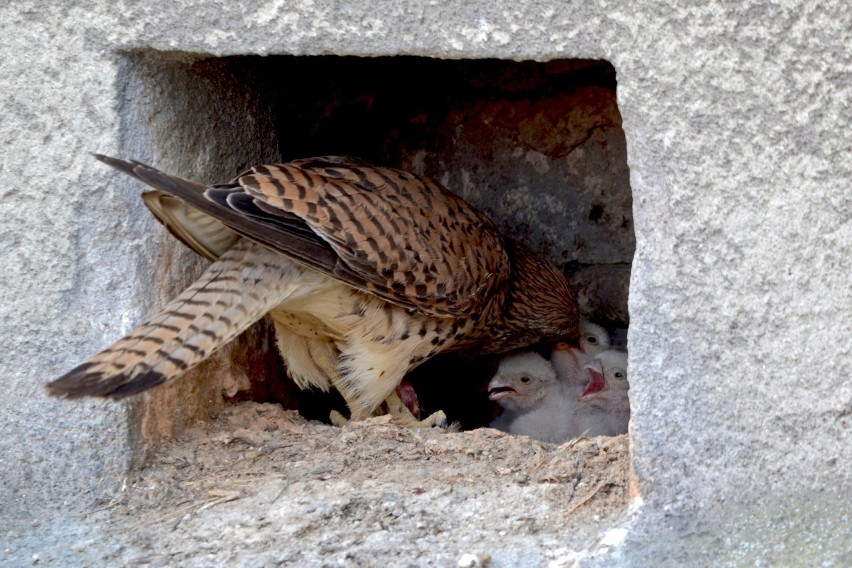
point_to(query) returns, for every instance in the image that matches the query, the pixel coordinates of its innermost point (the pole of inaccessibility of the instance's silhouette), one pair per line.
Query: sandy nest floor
(261, 486)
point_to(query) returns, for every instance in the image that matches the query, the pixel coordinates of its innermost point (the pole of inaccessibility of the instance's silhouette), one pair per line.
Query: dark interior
(538, 146)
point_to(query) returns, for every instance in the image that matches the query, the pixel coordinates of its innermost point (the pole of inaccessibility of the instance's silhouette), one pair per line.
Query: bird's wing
(291, 235)
(202, 233)
(401, 237)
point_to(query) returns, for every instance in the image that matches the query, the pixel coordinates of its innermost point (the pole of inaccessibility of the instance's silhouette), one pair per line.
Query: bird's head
(521, 380)
(568, 359)
(607, 376)
(593, 338)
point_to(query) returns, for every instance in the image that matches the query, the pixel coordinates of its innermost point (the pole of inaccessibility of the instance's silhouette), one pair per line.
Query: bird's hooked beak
(597, 381)
(568, 349)
(497, 390)
(565, 343)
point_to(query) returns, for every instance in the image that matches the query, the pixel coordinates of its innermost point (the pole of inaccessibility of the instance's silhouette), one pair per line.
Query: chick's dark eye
(619, 375)
(525, 379)
(592, 340)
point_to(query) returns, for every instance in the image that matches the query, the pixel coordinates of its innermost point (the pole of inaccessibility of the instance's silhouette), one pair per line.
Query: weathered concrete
(738, 134)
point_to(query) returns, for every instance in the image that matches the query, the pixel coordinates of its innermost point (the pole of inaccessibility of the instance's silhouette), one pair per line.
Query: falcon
(569, 361)
(603, 408)
(364, 271)
(536, 403)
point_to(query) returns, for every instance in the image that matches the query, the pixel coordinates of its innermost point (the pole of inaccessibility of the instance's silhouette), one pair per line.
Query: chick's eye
(619, 375)
(525, 379)
(592, 340)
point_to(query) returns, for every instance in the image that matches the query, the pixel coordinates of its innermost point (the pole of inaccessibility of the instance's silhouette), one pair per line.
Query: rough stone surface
(260, 486)
(737, 131)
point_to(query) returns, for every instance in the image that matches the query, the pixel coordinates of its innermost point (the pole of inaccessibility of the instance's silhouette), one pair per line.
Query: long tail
(233, 293)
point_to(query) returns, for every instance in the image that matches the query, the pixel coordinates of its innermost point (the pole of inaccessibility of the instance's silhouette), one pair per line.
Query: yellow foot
(337, 419)
(402, 416)
(434, 420)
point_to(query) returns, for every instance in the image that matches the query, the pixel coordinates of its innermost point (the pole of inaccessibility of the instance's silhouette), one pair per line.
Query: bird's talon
(473, 294)
(437, 419)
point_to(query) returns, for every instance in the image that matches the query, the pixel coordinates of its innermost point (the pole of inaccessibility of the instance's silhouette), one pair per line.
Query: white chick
(540, 405)
(533, 400)
(603, 408)
(522, 380)
(568, 361)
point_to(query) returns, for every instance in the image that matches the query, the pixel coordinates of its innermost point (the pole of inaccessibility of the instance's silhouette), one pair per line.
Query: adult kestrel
(364, 271)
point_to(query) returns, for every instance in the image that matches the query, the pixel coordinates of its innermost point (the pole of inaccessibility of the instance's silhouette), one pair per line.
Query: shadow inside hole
(537, 146)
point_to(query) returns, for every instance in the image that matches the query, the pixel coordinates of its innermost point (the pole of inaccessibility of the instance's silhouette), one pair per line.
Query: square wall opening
(537, 146)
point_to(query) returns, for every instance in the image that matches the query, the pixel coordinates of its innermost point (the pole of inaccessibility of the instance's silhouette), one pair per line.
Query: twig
(109, 505)
(587, 498)
(206, 504)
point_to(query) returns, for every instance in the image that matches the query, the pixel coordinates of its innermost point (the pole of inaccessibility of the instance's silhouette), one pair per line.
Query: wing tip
(124, 166)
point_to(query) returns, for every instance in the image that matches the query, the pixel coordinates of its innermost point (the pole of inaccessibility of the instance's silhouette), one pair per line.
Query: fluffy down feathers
(539, 405)
(603, 408)
(569, 360)
(533, 400)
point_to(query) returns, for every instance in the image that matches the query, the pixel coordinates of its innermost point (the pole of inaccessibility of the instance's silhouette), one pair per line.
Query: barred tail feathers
(233, 293)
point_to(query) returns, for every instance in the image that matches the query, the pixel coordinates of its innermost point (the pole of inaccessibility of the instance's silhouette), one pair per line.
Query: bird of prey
(534, 402)
(539, 404)
(364, 271)
(603, 408)
(568, 360)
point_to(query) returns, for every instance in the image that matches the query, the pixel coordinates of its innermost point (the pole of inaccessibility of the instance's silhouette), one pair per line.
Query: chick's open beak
(597, 381)
(498, 390)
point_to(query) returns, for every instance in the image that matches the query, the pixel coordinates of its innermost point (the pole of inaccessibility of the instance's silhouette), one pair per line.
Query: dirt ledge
(261, 486)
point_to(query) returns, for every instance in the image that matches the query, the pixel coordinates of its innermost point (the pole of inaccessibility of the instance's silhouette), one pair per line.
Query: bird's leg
(393, 404)
(400, 414)
(328, 365)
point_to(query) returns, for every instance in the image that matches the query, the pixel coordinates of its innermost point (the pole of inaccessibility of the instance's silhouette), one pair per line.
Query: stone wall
(737, 133)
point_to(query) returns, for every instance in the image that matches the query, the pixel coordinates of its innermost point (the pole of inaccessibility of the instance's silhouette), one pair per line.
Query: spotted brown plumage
(364, 271)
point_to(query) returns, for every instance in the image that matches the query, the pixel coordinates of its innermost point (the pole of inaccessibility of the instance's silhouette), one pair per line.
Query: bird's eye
(525, 379)
(619, 375)
(592, 339)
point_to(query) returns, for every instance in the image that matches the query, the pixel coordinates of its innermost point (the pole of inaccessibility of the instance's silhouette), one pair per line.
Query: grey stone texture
(737, 128)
